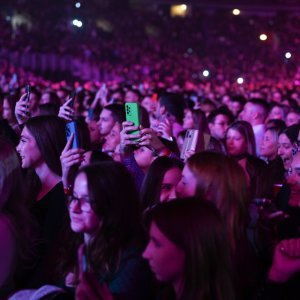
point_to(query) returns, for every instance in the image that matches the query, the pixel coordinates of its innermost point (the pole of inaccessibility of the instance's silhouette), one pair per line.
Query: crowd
(94, 206)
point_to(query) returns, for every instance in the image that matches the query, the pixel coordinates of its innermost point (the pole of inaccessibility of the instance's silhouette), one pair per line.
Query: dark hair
(116, 202)
(174, 104)
(48, 109)
(226, 187)
(49, 134)
(12, 203)
(196, 227)
(117, 112)
(292, 132)
(263, 106)
(220, 111)
(151, 187)
(276, 123)
(245, 129)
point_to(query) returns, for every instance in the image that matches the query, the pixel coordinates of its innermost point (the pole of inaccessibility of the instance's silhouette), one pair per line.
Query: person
(188, 250)
(170, 106)
(42, 141)
(287, 145)
(255, 112)
(9, 103)
(240, 144)
(227, 188)
(269, 152)
(15, 225)
(218, 122)
(292, 118)
(105, 217)
(160, 182)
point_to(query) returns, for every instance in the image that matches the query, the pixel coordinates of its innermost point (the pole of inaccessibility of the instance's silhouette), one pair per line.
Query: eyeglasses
(86, 204)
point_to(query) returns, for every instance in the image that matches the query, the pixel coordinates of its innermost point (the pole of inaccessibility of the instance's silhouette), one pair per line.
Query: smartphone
(27, 98)
(132, 112)
(190, 142)
(72, 96)
(71, 127)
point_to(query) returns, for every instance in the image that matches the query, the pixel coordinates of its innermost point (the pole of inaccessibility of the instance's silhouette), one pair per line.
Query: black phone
(73, 97)
(27, 98)
(71, 127)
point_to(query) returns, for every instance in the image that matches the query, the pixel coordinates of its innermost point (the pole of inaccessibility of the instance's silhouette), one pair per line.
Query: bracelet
(68, 190)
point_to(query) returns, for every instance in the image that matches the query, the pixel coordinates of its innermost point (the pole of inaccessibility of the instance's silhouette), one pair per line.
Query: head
(292, 118)
(255, 112)
(50, 97)
(132, 95)
(171, 104)
(218, 122)
(195, 119)
(144, 157)
(226, 187)
(42, 140)
(278, 112)
(160, 181)
(236, 105)
(109, 115)
(188, 249)
(269, 144)
(240, 139)
(9, 103)
(112, 140)
(106, 205)
(288, 144)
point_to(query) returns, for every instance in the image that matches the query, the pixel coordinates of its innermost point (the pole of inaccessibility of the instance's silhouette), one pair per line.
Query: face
(219, 127)
(45, 99)
(235, 107)
(143, 157)
(169, 183)
(246, 113)
(292, 118)
(149, 104)
(34, 102)
(95, 135)
(106, 122)
(83, 218)
(285, 148)
(166, 260)
(187, 184)
(294, 180)
(113, 138)
(188, 122)
(7, 112)
(276, 113)
(131, 97)
(235, 142)
(29, 151)
(269, 145)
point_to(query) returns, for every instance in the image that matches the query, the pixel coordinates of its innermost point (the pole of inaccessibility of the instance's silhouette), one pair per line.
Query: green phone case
(132, 112)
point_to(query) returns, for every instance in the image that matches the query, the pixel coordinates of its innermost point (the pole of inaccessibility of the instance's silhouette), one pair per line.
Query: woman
(240, 144)
(15, 222)
(188, 250)
(288, 145)
(226, 187)
(105, 215)
(160, 182)
(9, 103)
(42, 141)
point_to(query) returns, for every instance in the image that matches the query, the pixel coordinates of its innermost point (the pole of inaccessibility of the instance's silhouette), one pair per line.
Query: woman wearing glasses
(105, 217)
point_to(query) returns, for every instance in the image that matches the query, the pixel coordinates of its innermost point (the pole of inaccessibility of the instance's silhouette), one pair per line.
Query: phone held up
(72, 127)
(27, 98)
(132, 112)
(190, 142)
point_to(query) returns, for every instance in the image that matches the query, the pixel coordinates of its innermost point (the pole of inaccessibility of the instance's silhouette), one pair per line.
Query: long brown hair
(222, 180)
(197, 228)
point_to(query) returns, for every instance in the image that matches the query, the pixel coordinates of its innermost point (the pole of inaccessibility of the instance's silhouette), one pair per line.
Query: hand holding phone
(132, 112)
(190, 142)
(71, 128)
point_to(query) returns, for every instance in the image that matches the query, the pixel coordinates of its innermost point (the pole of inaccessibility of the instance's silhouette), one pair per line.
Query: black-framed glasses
(85, 203)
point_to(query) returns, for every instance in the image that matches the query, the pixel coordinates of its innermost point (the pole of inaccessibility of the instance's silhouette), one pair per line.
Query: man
(109, 116)
(218, 122)
(255, 112)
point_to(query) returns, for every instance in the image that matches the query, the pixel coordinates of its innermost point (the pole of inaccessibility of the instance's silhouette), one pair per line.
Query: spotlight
(240, 80)
(263, 37)
(77, 23)
(288, 55)
(236, 12)
(205, 73)
(77, 4)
